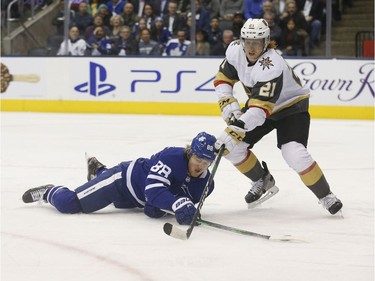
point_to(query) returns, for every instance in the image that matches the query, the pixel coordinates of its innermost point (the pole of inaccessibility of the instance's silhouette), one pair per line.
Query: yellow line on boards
(172, 108)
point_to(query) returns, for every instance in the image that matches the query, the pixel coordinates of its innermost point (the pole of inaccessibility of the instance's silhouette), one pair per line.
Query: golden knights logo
(266, 62)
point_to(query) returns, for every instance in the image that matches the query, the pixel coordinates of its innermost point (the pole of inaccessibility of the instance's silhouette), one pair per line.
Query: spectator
(160, 33)
(116, 7)
(292, 12)
(125, 45)
(177, 46)
(93, 6)
(275, 29)
(138, 6)
(291, 41)
(228, 9)
(76, 45)
(98, 21)
(147, 46)
(82, 19)
(202, 17)
(74, 4)
(130, 18)
(138, 27)
(253, 9)
(220, 48)
(160, 7)
(148, 15)
(300, 22)
(268, 7)
(202, 47)
(215, 34)
(188, 24)
(59, 18)
(172, 20)
(314, 15)
(237, 23)
(105, 14)
(116, 23)
(98, 43)
(212, 7)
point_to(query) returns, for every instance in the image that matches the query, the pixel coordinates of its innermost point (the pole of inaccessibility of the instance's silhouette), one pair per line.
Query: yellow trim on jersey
(292, 103)
(247, 164)
(312, 176)
(266, 105)
(221, 77)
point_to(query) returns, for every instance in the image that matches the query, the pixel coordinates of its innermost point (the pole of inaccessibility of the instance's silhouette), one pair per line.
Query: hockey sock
(64, 200)
(314, 179)
(251, 167)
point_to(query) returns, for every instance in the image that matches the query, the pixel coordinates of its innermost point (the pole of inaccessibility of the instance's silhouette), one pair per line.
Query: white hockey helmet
(256, 29)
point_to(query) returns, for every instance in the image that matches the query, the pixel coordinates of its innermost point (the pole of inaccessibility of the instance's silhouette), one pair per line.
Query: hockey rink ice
(38, 243)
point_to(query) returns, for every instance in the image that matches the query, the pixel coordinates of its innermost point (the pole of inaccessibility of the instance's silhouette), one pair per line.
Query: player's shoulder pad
(234, 49)
(270, 64)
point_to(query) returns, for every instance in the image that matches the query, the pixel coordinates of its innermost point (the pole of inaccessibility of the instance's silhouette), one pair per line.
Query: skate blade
(269, 194)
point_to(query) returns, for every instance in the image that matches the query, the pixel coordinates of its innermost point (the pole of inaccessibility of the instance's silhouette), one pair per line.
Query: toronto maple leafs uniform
(159, 180)
(270, 83)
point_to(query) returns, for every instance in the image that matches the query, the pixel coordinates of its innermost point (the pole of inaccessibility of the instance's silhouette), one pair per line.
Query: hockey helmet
(203, 146)
(255, 29)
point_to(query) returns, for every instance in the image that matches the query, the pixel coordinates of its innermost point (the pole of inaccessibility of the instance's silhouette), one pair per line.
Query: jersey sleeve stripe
(159, 178)
(153, 185)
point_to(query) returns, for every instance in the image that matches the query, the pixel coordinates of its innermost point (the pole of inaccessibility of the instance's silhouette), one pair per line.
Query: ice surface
(38, 243)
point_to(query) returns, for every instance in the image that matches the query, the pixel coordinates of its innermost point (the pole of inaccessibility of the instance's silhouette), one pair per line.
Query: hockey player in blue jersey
(172, 179)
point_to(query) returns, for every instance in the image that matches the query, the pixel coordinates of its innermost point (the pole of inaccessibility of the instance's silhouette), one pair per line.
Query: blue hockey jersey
(163, 178)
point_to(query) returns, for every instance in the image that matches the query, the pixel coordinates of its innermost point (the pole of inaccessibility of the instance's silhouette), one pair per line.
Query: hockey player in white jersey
(276, 100)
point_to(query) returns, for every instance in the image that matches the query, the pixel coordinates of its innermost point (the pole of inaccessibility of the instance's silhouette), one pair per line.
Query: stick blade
(174, 231)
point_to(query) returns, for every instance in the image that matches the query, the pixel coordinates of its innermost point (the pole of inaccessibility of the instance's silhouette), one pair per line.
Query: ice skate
(265, 185)
(93, 165)
(331, 203)
(36, 194)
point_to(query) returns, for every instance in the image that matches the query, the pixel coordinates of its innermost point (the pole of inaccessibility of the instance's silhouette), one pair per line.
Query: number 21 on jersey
(268, 89)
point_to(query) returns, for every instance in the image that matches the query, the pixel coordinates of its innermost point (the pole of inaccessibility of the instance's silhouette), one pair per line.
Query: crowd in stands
(162, 28)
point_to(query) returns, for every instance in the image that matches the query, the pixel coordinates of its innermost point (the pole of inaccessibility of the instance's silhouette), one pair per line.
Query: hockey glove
(184, 210)
(230, 109)
(153, 212)
(231, 137)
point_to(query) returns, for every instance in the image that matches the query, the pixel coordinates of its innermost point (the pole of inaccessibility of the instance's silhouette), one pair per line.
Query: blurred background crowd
(162, 27)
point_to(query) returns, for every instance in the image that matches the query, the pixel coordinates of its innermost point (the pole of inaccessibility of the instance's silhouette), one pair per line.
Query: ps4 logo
(96, 86)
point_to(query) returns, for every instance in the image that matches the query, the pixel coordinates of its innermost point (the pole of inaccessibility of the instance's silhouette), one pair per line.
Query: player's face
(253, 48)
(197, 166)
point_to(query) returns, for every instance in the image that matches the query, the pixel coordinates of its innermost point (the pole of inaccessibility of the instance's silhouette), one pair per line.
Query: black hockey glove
(153, 212)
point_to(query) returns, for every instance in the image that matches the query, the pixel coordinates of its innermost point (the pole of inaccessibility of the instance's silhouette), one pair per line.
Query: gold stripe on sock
(311, 175)
(248, 163)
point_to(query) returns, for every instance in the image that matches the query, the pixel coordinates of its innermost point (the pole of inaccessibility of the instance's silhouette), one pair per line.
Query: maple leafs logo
(266, 62)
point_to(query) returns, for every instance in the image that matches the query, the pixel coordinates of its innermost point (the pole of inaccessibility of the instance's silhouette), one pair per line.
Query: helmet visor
(252, 44)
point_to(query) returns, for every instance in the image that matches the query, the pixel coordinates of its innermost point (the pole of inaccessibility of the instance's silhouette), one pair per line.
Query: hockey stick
(176, 232)
(290, 238)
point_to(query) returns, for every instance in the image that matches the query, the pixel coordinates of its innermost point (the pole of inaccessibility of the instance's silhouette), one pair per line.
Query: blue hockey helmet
(203, 146)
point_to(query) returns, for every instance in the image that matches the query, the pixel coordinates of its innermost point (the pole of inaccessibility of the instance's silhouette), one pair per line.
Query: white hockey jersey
(270, 83)
(75, 48)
